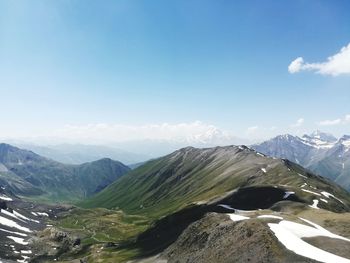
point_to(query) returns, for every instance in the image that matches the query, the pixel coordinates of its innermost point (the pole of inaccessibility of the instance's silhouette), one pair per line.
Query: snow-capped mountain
(320, 152)
(319, 140)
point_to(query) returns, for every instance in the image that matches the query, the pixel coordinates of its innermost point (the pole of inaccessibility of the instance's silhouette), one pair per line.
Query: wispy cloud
(189, 133)
(344, 120)
(298, 123)
(334, 65)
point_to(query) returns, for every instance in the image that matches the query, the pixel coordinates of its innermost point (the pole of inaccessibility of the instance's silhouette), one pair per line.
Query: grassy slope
(191, 175)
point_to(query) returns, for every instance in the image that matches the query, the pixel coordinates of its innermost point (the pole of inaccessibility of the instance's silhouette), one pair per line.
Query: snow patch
(311, 192)
(287, 194)
(7, 222)
(302, 176)
(42, 214)
(12, 232)
(324, 231)
(5, 198)
(24, 217)
(314, 204)
(290, 234)
(327, 195)
(235, 217)
(18, 240)
(24, 260)
(10, 214)
(226, 206)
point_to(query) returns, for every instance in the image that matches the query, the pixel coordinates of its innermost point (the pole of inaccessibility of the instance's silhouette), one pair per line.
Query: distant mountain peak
(321, 136)
(319, 139)
(286, 137)
(320, 152)
(345, 142)
(345, 138)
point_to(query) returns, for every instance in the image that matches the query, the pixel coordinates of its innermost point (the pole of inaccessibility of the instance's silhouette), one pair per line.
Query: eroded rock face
(216, 238)
(52, 242)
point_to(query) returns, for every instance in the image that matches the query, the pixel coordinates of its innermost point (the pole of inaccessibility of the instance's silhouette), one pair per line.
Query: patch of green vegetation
(106, 235)
(112, 256)
(102, 225)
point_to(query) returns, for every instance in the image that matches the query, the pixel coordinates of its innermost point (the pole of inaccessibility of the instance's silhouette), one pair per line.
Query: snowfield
(290, 234)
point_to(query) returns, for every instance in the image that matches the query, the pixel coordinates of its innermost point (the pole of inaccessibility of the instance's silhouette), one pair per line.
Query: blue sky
(132, 63)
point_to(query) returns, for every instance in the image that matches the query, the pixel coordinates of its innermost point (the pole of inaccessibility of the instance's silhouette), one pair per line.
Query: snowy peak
(345, 142)
(287, 137)
(326, 137)
(319, 139)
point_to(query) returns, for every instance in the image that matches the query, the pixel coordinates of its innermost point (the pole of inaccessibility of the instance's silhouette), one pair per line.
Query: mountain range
(193, 175)
(28, 174)
(320, 152)
(222, 204)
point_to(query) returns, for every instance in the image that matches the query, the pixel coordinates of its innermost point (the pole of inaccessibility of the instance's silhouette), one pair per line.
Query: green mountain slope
(28, 174)
(191, 175)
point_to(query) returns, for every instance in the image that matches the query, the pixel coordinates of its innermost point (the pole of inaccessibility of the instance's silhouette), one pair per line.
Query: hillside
(192, 175)
(28, 174)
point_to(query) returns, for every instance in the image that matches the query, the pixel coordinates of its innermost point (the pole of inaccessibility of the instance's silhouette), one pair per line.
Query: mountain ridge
(191, 175)
(28, 174)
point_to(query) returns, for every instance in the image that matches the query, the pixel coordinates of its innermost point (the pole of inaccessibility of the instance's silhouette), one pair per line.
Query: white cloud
(252, 130)
(298, 123)
(335, 65)
(296, 65)
(344, 120)
(188, 133)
